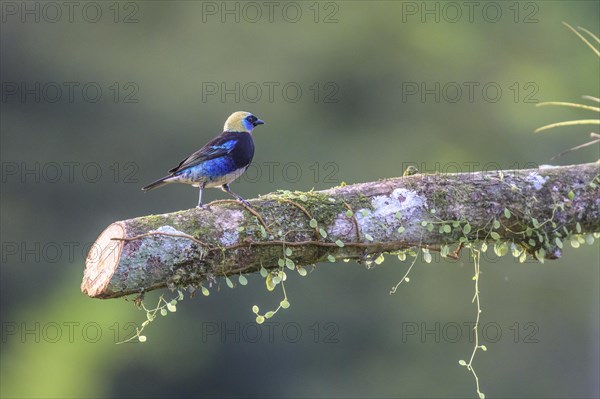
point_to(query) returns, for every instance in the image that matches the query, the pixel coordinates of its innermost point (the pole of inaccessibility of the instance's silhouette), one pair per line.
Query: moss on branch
(533, 210)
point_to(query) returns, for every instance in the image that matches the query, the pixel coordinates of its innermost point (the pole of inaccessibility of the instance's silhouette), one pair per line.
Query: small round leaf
(229, 282)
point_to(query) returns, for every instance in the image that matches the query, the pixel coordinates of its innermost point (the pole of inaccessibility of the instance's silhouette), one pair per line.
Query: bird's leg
(225, 187)
(200, 195)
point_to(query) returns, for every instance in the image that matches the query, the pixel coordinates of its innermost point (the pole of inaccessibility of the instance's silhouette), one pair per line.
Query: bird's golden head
(241, 121)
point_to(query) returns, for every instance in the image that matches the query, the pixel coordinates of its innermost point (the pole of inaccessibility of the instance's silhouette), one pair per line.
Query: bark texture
(357, 221)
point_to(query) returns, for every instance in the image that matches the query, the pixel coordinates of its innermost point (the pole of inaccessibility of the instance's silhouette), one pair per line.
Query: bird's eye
(251, 118)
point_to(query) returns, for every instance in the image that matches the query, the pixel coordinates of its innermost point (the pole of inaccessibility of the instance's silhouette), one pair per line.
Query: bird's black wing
(220, 146)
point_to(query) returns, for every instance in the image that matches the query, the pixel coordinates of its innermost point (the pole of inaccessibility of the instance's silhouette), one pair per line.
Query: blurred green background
(73, 162)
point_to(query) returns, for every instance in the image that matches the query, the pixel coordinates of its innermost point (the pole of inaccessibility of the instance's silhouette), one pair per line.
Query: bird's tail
(157, 184)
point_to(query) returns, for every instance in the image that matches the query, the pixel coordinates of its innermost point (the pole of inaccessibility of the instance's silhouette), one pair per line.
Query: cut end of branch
(102, 261)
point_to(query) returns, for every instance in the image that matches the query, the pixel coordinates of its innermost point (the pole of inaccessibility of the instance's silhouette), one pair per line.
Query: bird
(221, 160)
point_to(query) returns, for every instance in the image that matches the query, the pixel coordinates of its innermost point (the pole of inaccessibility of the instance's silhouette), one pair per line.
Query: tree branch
(530, 208)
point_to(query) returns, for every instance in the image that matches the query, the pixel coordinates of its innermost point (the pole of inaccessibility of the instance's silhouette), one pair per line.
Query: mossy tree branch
(530, 208)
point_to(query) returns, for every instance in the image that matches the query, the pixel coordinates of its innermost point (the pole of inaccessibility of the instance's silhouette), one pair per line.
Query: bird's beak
(258, 122)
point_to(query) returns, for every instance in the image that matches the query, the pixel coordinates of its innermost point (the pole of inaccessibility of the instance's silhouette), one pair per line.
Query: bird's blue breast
(213, 168)
(223, 169)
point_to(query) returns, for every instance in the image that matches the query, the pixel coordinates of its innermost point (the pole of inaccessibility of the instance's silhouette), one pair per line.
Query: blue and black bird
(220, 161)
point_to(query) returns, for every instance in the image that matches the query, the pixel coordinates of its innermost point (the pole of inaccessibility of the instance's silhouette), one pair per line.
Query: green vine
(163, 306)
(476, 256)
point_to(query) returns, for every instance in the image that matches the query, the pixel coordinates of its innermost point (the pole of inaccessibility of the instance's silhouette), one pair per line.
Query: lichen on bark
(189, 247)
